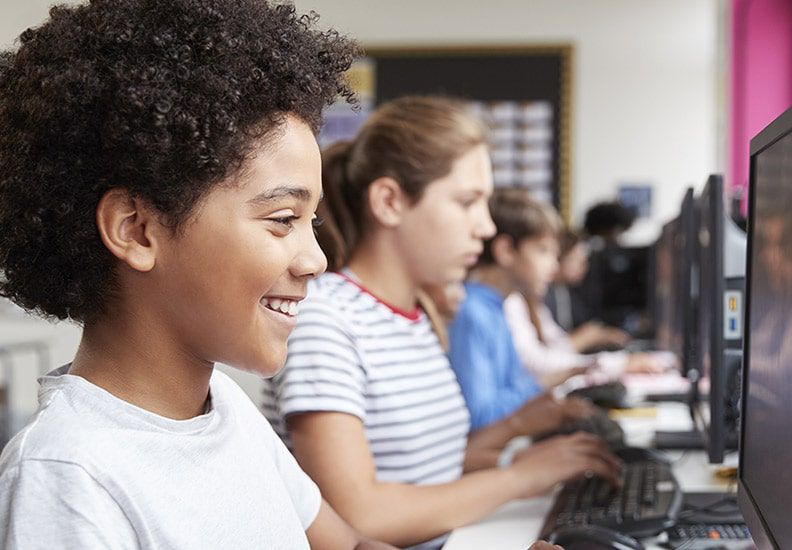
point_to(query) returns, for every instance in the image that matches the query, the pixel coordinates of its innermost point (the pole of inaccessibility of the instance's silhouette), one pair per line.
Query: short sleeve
(302, 490)
(324, 370)
(52, 504)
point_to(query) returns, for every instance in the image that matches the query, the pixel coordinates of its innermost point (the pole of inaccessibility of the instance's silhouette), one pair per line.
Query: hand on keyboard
(599, 424)
(647, 503)
(650, 363)
(564, 458)
(545, 413)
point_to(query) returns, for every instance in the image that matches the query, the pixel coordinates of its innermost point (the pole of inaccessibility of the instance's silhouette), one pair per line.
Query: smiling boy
(158, 181)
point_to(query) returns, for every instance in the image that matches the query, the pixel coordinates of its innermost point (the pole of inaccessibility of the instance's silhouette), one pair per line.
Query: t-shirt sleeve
(539, 358)
(52, 504)
(323, 371)
(304, 493)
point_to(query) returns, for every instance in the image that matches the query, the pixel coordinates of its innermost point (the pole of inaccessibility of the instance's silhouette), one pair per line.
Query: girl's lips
(471, 259)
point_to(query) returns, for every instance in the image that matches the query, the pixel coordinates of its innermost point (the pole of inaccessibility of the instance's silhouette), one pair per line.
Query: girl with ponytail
(367, 401)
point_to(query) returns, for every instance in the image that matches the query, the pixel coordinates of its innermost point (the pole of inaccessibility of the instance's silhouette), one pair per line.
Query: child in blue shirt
(482, 352)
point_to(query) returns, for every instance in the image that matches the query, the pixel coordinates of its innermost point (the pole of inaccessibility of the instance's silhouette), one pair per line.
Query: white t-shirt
(92, 471)
(354, 354)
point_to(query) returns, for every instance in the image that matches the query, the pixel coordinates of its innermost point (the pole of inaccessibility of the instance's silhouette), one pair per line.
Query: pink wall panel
(761, 75)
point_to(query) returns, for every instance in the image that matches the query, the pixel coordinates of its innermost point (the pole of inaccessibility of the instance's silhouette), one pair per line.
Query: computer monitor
(625, 287)
(664, 284)
(765, 443)
(721, 268)
(676, 287)
(687, 295)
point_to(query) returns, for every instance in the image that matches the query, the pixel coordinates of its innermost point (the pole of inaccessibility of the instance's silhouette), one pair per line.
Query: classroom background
(661, 94)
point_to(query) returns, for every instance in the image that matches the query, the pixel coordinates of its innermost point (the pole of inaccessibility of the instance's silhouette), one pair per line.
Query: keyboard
(599, 424)
(706, 536)
(647, 504)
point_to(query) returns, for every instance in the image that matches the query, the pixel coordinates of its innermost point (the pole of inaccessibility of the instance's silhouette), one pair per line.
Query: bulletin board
(523, 93)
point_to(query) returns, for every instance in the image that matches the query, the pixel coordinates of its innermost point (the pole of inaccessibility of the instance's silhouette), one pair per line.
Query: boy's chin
(265, 367)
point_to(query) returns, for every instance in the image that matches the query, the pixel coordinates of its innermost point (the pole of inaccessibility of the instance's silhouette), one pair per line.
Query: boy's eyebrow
(280, 192)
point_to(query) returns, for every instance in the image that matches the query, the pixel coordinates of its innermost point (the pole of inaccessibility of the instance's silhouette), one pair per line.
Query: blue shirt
(484, 358)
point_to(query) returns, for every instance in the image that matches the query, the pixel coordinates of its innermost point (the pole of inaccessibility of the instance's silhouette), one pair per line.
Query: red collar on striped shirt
(411, 315)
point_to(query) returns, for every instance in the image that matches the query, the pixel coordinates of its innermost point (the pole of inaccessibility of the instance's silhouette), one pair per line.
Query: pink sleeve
(538, 357)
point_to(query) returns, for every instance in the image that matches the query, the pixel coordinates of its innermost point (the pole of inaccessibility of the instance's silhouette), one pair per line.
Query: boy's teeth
(287, 307)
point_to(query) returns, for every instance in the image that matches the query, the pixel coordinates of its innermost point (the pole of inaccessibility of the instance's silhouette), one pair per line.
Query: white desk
(516, 525)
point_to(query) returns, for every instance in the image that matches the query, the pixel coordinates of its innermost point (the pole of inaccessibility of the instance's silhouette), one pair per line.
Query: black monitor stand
(688, 439)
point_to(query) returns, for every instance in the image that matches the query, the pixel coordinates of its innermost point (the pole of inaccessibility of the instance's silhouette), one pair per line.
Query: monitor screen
(674, 300)
(625, 292)
(664, 280)
(766, 438)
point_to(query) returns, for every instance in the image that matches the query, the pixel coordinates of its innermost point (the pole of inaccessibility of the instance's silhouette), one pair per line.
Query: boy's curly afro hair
(162, 97)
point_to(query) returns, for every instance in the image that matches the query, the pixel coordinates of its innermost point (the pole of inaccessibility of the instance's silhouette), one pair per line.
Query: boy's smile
(229, 286)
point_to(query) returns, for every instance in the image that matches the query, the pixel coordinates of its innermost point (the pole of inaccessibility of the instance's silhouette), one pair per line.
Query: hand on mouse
(593, 334)
(542, 465)
(646, 363)
(546, 413)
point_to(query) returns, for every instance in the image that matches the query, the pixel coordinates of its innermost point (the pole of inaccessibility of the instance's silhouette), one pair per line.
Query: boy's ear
(503, 250)
(387, 201)
(128, 228)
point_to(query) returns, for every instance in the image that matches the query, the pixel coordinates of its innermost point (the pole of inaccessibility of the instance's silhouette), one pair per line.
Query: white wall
(644, 97)
(645, 94)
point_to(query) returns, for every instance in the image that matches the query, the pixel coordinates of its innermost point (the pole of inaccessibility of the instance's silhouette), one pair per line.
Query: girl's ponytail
(338, 233)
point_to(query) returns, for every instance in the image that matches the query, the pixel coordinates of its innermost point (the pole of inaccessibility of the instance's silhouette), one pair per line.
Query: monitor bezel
(712, 194)
(666, 240)
(776, 130)
(688, 227)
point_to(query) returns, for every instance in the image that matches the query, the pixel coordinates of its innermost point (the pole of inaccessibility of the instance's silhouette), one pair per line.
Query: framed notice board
(523, 93)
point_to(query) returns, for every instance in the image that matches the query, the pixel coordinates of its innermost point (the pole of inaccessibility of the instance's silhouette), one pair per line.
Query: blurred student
(368, 401)
(604, 224)
(159, 177)
(482, 349)
(567, 306)
(524, 254)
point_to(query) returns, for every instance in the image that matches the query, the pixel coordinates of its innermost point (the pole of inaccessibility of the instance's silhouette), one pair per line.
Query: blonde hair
(414, 140)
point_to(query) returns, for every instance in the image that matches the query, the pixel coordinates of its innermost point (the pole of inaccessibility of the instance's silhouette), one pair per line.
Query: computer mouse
(592, 537)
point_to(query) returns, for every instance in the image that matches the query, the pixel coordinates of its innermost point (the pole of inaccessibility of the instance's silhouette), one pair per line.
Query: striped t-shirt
(354, 354)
